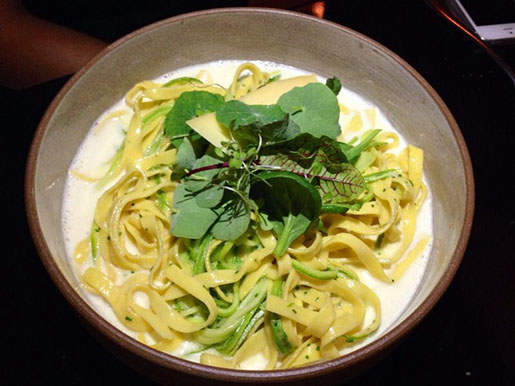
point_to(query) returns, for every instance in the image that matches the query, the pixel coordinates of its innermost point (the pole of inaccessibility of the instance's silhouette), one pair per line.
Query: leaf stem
(209, 167)
(282, 241)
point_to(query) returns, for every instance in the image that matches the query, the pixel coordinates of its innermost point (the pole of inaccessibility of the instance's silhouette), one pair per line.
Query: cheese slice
(208, 127)
(270, 94)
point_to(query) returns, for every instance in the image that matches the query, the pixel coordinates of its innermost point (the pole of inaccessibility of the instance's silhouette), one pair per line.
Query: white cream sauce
(106, 135)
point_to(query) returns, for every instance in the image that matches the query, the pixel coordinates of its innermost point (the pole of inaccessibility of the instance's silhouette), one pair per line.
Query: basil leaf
(291, 203)
(189, 105)
(314, 108)
(189, 220)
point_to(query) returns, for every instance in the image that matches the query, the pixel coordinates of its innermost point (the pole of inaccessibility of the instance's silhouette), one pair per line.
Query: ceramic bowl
(325, 48)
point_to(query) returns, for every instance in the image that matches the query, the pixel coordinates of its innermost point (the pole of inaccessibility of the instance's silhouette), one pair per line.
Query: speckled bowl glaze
(325, 48)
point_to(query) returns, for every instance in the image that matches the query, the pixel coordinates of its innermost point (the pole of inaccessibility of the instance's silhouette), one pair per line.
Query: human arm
(33, 50)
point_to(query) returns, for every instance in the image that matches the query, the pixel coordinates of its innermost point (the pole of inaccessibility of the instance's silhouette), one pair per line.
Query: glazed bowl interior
(292, 39)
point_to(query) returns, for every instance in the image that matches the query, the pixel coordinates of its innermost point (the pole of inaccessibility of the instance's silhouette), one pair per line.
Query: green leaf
(200, 184)
(321, 161)
(314, 108)
(341, 187)
(209, 197)
(234, 219)
(342, 207)
(264, 222)
(338, 183)
(291, 203)
(189, 105)
(306, 148)
(189, 220)
(188, 152)
(334, 208)
(234, 114)
(201, 180)
(334, 84)
(247, 122)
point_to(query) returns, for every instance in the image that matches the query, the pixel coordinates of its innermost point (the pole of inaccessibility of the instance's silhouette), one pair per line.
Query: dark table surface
(467, 339)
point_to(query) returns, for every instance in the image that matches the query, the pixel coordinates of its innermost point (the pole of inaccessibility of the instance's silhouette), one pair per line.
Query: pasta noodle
(313, 292)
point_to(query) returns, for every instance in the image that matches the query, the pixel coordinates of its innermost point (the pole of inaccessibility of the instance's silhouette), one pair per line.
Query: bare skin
(33, 50)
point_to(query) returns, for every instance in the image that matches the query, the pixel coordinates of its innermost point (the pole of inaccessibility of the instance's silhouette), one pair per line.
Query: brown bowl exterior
(325, 48)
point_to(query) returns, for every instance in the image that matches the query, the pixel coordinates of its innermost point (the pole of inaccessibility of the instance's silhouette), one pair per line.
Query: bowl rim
(187, 367)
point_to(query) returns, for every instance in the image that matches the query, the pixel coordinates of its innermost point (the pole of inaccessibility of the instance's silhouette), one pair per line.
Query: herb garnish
(283, 164)
(190, 104)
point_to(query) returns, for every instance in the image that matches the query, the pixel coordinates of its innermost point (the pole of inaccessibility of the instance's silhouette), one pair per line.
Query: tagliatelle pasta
(236, 298)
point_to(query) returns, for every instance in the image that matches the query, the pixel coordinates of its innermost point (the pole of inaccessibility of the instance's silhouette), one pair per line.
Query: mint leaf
(248, 122)
(189, 220)
(189, 105)
(314, 108)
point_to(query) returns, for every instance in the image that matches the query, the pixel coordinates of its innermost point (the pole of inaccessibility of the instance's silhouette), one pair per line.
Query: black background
(467, 339)
(496, 12)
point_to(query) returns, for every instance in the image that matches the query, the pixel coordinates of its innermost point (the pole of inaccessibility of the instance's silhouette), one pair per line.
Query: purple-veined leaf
(338, 183)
